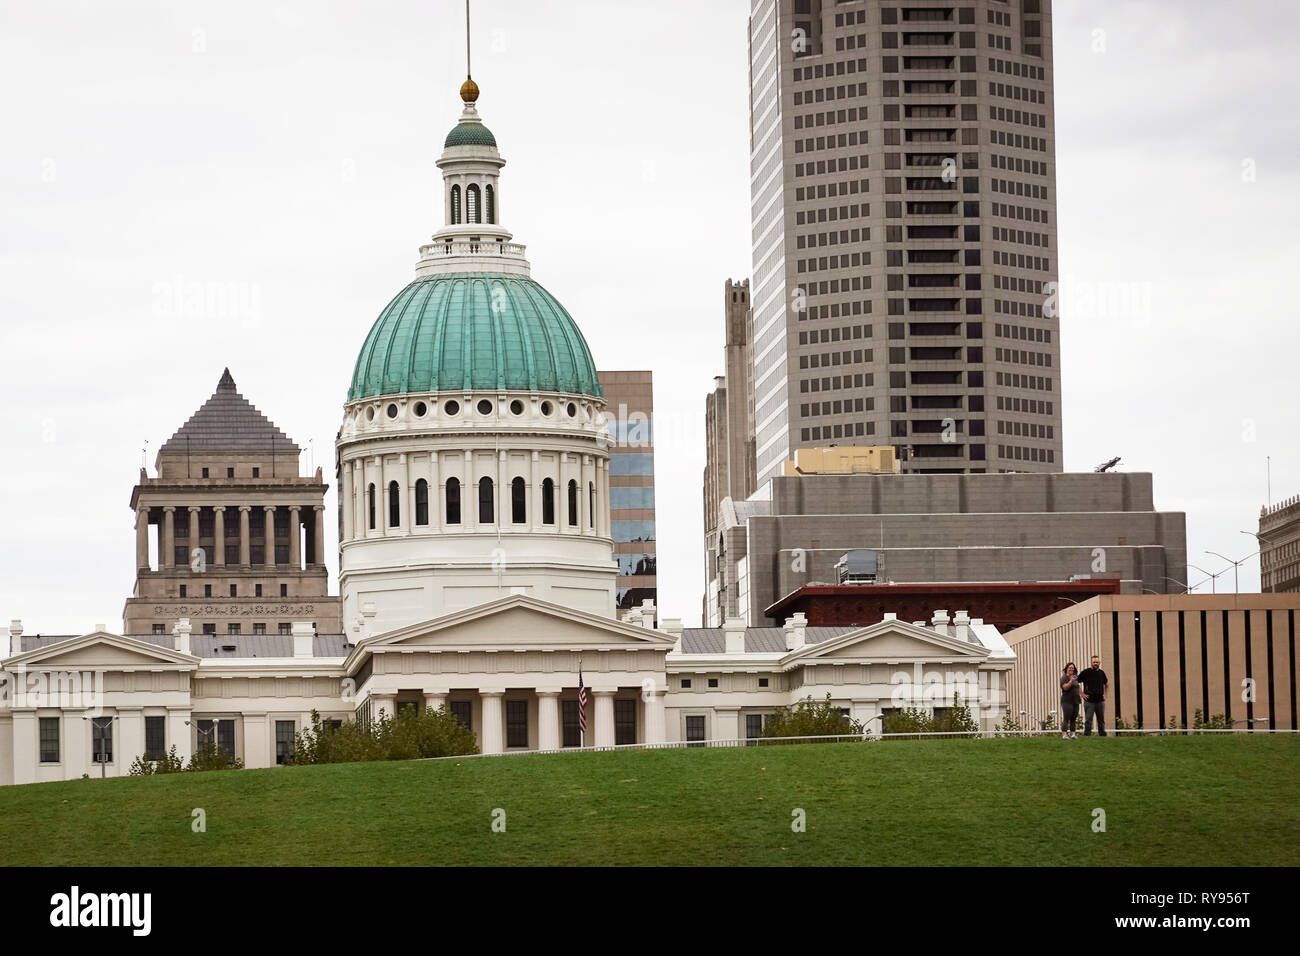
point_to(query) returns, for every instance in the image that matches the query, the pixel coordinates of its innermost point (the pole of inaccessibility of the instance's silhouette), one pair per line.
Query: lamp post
(101, 758)
(1213, 577)
(1235, 566)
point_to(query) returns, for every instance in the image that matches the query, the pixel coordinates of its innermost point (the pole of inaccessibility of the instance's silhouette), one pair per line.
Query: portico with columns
(510, 670)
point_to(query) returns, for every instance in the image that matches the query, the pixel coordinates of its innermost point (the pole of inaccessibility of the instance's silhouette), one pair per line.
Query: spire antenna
(468, 71)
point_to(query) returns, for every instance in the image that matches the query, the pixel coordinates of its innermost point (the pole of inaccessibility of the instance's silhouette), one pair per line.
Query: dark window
(713, 682)
(232, 628)
(624, 721)
(485, 509)
(234, 588)
(257, 590)
(155, 737)
(370, 506)
(453, 501)
(421, 502)
(159, 628)
(518, 510)
(225, 735)
(695, 729)
(283, 740)
(207, 590)
(394, 505)
(516, 723)
(209, 628)
(205, 473)
(284, 628)
(762, 682)
(686, 683)
(569, 721)
(183, 589)
(101, 739)
(573, 504)
(257, 472)
(284, 590)
(49, 730)
(230, 473)
(753, 725)
(461, 710)
(591, 504)
(548, 501)
(455, 205)
(473, 212)
(490, 200)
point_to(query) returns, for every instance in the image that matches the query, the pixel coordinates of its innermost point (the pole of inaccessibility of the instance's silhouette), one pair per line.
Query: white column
(219, 536)
(268, 536)
(318, 552)
(534, 496)
(128, 737)
(363, 498)
(178, 733)
(503, 515)
(604, 498)
(25, 744)
(436, 501)
(491, 738)
(604, 736)
(585, 480)
(168, 557)
(406, 493)
(142, 539)
(548, 720)
(381, 496)
(435, 700)
(295, 537)
(656, 717)
(346, 506)
(193, 530)
(245, 537)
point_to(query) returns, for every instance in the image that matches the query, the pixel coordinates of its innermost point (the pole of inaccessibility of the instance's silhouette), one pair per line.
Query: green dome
(468, 331)
(470, 134)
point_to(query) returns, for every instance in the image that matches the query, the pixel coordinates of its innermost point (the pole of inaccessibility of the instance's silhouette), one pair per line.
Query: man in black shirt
(1095, 685)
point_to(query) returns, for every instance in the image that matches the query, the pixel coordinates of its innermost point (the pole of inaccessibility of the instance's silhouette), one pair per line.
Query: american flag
(582, 704)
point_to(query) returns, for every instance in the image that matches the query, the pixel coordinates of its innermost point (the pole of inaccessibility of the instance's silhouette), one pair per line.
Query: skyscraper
(729, 413)
(904, 232)
(629, 406)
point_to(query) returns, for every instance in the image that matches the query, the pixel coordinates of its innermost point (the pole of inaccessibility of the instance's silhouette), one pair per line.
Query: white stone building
(476, 567)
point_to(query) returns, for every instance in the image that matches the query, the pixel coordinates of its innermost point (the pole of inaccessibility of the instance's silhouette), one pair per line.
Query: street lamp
(1213, 577)
(101, 758)
(1235, 566)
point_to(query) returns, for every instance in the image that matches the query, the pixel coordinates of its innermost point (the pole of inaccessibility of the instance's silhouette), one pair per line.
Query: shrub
(911, 720)
(1217, 722)
(408, 736)
(1008, 726)
(207, 757)
(808, 719)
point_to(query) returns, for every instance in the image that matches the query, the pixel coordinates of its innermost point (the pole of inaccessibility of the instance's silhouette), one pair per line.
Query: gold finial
(469, 90)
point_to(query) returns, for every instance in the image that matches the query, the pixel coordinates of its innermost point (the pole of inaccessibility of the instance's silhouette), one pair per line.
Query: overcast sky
(278, 157)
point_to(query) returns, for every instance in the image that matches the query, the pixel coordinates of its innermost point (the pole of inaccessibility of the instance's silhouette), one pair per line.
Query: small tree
(1008, 726)
(407, 736)
(170, 762)
(809, 719)
(957, 719)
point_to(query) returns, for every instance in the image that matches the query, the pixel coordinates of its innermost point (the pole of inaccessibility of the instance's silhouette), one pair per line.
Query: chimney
(649, 616)
(890, 616)
(673, 628)
(940, 622)
(734, 628)
(961, 626)
(15, 637)
(795, 631)
(303, 635)
(181, 633)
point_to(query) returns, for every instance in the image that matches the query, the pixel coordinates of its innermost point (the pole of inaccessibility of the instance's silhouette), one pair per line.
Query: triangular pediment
(517, 622)
(892, 641)
(98, 651)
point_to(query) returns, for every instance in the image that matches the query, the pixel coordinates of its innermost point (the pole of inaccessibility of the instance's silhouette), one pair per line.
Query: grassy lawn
(1225, 800)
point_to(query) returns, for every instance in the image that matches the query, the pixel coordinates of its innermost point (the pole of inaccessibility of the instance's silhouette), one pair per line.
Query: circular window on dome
(516, 407)
(421, 409)
(452, 409)
(572, 410)
(392, 411)
(547, 409)
(484, 407)
(370, 414)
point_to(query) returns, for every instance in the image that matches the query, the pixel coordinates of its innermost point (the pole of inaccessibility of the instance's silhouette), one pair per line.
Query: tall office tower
(904, 231)
(729, 413)
(629, 403)
(237, 534)
(1279, 546)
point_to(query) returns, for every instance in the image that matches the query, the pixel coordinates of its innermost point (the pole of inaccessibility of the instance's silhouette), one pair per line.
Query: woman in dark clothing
(1069, 701)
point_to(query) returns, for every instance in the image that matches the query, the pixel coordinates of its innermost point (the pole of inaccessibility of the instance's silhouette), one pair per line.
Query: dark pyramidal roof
(228, 422)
